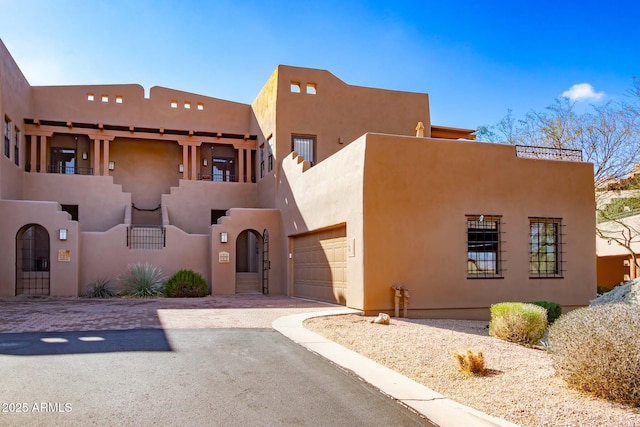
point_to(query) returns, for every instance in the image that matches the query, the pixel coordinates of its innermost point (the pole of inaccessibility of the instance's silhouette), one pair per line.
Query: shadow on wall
(108, 341)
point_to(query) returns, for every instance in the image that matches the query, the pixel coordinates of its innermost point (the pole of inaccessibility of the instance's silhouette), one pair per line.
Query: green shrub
(554, 310)
(143, 280)
(602, 289)
(186, 283)
(518, 322)
(100, 288)
(597, 350)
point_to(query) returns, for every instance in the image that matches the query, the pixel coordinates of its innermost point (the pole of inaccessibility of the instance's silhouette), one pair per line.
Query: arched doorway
(32, 260)
(252, 257)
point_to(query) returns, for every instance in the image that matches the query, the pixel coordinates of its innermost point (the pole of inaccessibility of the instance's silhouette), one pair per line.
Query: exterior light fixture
(180, 168)
(224, 237)
(84, 155)
(204, 162)
(62, 234)
(112, 165)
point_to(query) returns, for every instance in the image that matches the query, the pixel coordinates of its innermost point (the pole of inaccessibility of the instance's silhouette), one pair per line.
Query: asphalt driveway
(215, 375)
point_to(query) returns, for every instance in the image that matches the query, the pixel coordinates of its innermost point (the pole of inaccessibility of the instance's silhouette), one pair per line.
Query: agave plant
(143, 280)
(100, 288)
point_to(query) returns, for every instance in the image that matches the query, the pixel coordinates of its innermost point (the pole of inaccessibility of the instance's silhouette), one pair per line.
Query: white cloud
(582, 92)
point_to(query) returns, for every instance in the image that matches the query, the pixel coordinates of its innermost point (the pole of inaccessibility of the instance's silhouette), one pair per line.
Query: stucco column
(96, 157)
(185, 160)
(241, 165)
(194, 163)
(33, 142)
(43, 154)
(105, 157)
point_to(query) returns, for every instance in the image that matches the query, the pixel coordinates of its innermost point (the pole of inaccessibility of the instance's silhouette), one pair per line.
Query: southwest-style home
(318, 189)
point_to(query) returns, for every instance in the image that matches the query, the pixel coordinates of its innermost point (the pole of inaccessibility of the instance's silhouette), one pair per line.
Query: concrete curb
(435, 407)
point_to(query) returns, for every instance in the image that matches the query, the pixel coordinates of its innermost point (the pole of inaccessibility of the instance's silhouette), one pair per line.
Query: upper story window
(545, 247)
(483, 246)
(262, 165)
(295, 87)
(105, 98)
(270, 146)
(305, 146)
(16, 147)
(312, 88)
(7, 137)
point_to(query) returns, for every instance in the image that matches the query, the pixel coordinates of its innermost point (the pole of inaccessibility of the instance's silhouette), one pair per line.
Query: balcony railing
(217, 177)
(69, 170)
(549, 153)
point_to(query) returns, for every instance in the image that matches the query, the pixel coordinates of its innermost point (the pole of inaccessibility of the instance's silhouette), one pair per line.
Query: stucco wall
(189, 205)
(417, 192)
(15, 215)
(182, 251)
(223, 274)
(101, 203)
(325, 195)
(15, 104)
(612, 269)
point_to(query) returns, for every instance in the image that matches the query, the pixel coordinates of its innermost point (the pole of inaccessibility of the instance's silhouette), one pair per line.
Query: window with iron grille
(7, 137)
(270, 145)
(483, 246)
(16, 147)
(545, 247)
(304, 146)
(262, 170)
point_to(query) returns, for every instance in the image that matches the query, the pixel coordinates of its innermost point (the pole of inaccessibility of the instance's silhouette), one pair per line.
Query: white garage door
(320, 265)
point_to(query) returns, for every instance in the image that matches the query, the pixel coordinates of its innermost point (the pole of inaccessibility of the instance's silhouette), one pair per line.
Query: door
(32, 260)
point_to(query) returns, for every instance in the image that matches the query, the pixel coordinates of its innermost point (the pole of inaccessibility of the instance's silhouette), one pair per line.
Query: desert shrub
(186, 283)
(518, 322)
(470, 363)
(597, 350)
(554, 310)
(100, 288)
(143, 280)
(602, 289)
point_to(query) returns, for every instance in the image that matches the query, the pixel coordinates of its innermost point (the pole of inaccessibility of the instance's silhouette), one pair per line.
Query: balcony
(69, 170)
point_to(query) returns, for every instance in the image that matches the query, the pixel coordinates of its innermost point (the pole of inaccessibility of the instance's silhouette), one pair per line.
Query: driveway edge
(435, 407)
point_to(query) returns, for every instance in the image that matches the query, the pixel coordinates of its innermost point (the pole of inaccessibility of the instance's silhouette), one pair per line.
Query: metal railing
(217, 177)
(69, 170)
(150, 237)
(549, 153)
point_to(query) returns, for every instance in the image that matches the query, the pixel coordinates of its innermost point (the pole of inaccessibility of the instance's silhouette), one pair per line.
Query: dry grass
(470, 363)
(520, 384)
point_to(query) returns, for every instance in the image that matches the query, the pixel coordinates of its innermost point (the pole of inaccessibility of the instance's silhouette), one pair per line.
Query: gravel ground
(520, 385)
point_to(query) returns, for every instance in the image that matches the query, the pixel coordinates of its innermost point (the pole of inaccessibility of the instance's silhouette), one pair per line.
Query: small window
(118, 99)
(7, 136)
(304, 146)
(295, 87)
(270, 145)
(90, 97)
(16, 147)
(262, 168)
(545, 247)
(71, 210)
(174, 104)
(105, 98)
(311, 88)
(483, 246)
(200, 106)
(187, 105)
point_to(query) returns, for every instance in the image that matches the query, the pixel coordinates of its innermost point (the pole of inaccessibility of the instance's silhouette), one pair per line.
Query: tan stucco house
(318, 189)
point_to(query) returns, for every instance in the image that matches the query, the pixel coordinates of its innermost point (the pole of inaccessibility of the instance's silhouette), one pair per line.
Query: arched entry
(32, 260)
(252, 255)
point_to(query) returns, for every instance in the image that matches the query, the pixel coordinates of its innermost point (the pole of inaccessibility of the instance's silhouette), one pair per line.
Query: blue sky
(476, 59)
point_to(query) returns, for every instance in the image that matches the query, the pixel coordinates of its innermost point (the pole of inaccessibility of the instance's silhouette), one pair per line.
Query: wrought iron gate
(266, 263)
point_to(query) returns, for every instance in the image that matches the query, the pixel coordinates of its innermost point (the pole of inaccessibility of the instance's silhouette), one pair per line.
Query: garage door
(320, 265)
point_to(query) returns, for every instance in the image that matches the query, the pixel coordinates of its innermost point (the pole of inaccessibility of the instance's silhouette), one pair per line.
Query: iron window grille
(150, 237)
(484, 246)
(7, 137)
(16, 148)
(545, 247)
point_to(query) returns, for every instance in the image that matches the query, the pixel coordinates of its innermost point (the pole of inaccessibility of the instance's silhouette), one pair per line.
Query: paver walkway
(54, 314)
